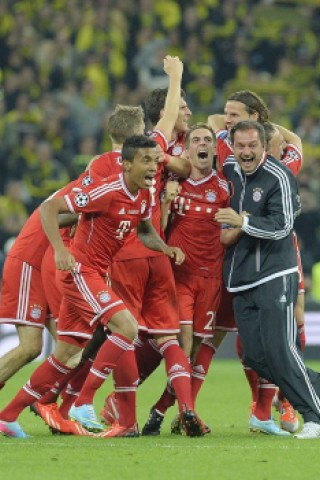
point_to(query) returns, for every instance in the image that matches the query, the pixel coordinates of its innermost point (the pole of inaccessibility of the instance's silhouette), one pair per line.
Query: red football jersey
(109, 213)
(292, 158)
(193, 228)
(223, 148)
(102, 166)
(133, 247)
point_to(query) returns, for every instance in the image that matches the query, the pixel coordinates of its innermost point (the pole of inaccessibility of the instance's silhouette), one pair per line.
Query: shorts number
(212, 316)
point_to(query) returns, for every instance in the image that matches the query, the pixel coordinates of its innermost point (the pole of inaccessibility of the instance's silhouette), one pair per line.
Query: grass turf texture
(229, 452)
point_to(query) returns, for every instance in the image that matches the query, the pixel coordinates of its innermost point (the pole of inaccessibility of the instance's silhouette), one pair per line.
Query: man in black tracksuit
(260, 267)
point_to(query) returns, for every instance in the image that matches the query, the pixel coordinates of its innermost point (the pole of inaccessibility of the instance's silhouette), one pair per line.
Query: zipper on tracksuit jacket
(244, 182)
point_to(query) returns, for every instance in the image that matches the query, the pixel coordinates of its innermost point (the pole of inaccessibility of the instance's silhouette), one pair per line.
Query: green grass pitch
(229, 452)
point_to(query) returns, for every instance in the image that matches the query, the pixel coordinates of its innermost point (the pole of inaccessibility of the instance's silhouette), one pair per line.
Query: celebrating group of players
(124, 266)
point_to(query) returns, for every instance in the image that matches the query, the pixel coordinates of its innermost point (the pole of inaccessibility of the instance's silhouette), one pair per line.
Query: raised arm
(216, 122)
(173, 68)
(181, 166)
(289, 136)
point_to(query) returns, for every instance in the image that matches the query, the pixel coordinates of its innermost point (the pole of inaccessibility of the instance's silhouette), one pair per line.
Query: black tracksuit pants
(267, 327)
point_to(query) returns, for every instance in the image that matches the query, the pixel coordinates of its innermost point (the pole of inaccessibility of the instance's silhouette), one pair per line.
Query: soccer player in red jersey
(23, 302)
(192, 227)
(109, 212)
(125, 121)
(242, 105)
(154, 302)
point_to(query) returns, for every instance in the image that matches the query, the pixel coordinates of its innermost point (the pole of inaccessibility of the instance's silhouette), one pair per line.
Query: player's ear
(126, 165)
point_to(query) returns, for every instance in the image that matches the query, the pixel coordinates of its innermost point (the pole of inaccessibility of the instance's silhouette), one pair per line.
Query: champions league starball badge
(86, 181)
(81, 199)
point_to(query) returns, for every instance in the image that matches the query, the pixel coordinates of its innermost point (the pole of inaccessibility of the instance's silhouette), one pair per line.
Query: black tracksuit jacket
(265, 250)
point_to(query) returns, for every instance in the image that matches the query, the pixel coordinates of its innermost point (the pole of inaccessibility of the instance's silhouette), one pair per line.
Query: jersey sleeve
(292, 158)
(224, 189)
(92, 200)
(103, 166)
(160, 138)
(281, 209)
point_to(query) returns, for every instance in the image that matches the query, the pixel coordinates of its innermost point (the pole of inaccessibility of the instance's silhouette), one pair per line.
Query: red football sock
(178, 371)
(281, 397)
(106, 360)
(71, 391)
(252, 377)
(148, 358)
(126, 381)
(51, 371)
(54, 392)
(201, 367)
(166, 400)
(267, 391)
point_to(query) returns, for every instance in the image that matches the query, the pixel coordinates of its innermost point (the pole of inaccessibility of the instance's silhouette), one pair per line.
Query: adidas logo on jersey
(122, 211)
(176, 368)
(283, 299)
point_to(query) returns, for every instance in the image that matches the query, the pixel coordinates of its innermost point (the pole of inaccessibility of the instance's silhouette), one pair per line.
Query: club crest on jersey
(86, 181)
(143, 206)
(81, 199)
(257, 194)
(211, 196)
(104, 296)
(177, 150)
(35, 311)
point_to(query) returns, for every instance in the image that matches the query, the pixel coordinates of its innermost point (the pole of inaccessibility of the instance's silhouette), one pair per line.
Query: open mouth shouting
(149, 180)
(247, 162)
(203, 154)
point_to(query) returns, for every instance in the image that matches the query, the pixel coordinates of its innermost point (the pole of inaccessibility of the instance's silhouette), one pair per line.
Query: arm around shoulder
(216, 122)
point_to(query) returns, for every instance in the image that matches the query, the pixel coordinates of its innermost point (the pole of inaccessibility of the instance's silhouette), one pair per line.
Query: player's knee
(30, 352)
(124, 323)
(131, 328)
(74, 360)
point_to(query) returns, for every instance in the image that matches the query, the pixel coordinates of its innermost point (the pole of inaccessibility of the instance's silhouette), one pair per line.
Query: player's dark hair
(252, 102)
(134, 143)
(269, 130)
(197, 126)
(248, 125)
(154, 103)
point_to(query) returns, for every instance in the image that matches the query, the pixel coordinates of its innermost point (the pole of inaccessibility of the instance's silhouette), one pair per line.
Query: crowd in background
(65, 64)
